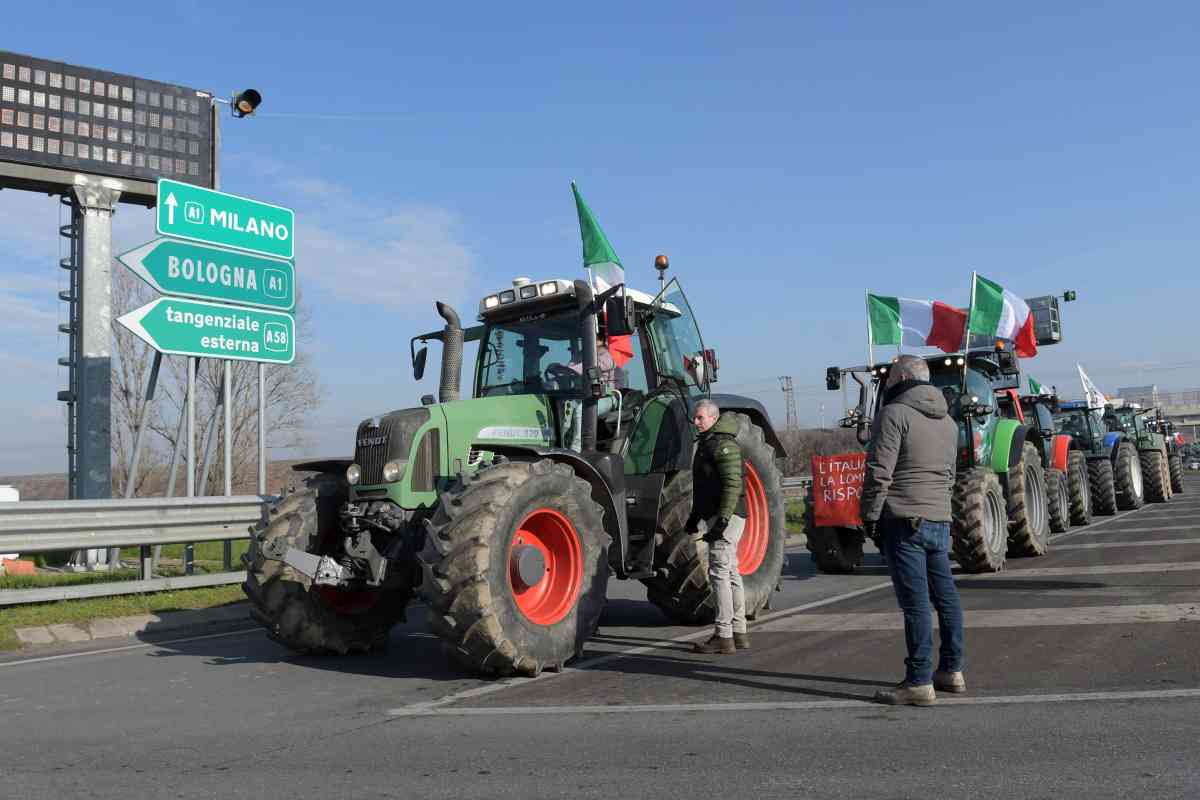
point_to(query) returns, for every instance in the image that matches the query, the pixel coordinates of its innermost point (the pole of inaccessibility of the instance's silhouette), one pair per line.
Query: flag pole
(967, 334)
(870, 340)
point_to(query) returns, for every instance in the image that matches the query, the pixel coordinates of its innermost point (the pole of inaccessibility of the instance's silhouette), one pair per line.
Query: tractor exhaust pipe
(452, 351)
(587, 429)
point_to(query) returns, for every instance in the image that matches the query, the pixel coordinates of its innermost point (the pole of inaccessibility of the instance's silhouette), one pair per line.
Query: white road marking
(1111, 569)
(1156, 528)
(139, 646)
(810, 705)
(1138, 543)
(999, 618)
(1054, 537)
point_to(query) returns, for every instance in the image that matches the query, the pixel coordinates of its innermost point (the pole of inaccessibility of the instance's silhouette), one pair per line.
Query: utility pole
(789, 395)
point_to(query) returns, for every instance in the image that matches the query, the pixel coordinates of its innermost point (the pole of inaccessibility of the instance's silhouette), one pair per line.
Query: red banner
(837, 489)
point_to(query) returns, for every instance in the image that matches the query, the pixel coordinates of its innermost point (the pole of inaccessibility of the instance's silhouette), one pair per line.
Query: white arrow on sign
(170, 203)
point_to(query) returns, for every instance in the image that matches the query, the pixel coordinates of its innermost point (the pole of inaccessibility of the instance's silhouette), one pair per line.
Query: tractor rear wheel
(835, 551)
(515, 568)
(1128, 477)
(1078, 484)
(1158, 482)
(1103, 485)
(1060, 500)
(1028, 505)
(307, 618)
(980, 527)
(680, 586)
(1175, 466)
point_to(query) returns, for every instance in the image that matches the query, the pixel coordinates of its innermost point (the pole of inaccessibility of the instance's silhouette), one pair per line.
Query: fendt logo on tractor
(508, 509)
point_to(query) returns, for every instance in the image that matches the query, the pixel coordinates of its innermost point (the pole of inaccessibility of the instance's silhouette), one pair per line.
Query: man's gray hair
(910, 368)
(708, 407)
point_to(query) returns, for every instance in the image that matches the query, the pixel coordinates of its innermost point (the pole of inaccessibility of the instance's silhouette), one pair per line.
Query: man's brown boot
(952, 682)
(741, 641)
(716, 645)
(905, 695)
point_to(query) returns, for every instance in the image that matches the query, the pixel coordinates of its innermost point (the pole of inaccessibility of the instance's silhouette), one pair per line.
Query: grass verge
(795, 517)
(80, 611)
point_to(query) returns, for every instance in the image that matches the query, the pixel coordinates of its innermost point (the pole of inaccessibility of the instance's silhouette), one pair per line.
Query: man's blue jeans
(919, 562)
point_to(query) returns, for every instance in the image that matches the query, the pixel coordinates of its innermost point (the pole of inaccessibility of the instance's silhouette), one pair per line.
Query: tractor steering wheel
(561, 376)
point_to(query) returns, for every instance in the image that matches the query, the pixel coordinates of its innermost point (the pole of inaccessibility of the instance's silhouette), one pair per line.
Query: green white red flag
(998, 313)
(915, 323)
(602, 264)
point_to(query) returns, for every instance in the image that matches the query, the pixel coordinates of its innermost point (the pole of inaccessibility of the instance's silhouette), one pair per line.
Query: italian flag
(1037, 388)
(917, 323)
(601, 262)
(998, 313)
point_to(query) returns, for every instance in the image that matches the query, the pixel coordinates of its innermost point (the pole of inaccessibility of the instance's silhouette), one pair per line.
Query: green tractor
(1114, 470)
(1070, 501)
(1136, 423)
(1000, 504)
(507, 511)
(1175, 446)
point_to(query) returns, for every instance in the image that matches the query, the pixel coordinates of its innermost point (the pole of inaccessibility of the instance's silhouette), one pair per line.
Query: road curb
(141, 625)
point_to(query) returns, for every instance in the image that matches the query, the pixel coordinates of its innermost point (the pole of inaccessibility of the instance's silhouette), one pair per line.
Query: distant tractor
(507, 511)
(1114, 470)
(1000, 504)
(1135, 422)
(1070, 500)
(1175, 447)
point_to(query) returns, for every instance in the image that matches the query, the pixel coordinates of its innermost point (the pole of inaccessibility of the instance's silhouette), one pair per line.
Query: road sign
(226, 220)
(184, 269)
(212, 330)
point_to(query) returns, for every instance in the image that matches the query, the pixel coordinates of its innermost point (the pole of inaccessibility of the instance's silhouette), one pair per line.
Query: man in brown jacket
(906, 497)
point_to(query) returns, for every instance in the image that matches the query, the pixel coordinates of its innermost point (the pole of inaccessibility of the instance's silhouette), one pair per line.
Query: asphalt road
(1083, 667)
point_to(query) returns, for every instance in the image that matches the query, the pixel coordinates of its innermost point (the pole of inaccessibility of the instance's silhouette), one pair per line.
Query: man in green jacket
(718, 499)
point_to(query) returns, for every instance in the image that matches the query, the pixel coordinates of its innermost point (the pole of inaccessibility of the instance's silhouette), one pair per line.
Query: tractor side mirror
(419, 363)
(619, 315)
(1007, 360)
(713, 363)
(833, 379)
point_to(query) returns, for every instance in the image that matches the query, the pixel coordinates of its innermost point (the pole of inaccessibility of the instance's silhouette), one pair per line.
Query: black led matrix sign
(67, 119)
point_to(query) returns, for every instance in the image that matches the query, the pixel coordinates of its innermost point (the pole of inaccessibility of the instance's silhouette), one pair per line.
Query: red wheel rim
(752, 548)
(550, 599)
(344, 601)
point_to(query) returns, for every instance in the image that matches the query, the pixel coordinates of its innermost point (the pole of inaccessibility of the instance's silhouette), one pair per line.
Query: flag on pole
(1000, 314)
(916, 323)
(1095, 397)
(1037, 388)
(599, 258)
(601, 262)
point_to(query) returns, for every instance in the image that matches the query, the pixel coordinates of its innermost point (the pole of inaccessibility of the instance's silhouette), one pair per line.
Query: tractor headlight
(353, 474)
(528, 292)
(549, 287)
(392, 471)
(491, 301)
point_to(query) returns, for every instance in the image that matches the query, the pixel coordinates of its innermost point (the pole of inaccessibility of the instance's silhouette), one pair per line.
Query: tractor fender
(757, 414)
(1062, 452)
(615, 524)
(1112, 440)
(335, 465)
(1007, 445)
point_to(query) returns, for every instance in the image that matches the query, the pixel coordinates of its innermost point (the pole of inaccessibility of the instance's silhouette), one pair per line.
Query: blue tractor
(1114, 466)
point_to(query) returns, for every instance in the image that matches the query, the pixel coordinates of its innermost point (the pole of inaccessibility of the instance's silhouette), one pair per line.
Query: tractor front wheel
(1154, 472)
(515, 568)
(1078, 485)
(980, 526)
(1175, 467)
(1103, 485)
(1028, 505)
(1128, 477)
(306, 618)
(1060, 500)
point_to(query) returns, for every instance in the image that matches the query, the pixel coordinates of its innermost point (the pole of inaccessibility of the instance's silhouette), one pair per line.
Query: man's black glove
(692, 525)
(714, 532)
(871, 527)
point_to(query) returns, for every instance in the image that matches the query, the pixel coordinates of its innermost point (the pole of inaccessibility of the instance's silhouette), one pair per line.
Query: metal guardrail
(802, 482)
(41, 526)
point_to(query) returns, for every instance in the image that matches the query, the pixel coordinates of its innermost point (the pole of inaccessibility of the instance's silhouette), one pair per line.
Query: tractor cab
(1085, 425)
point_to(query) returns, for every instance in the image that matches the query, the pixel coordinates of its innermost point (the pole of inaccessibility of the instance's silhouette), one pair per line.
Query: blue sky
(786, 157)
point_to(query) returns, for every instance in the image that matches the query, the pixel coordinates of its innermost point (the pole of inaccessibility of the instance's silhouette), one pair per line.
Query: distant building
(1144, 395)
